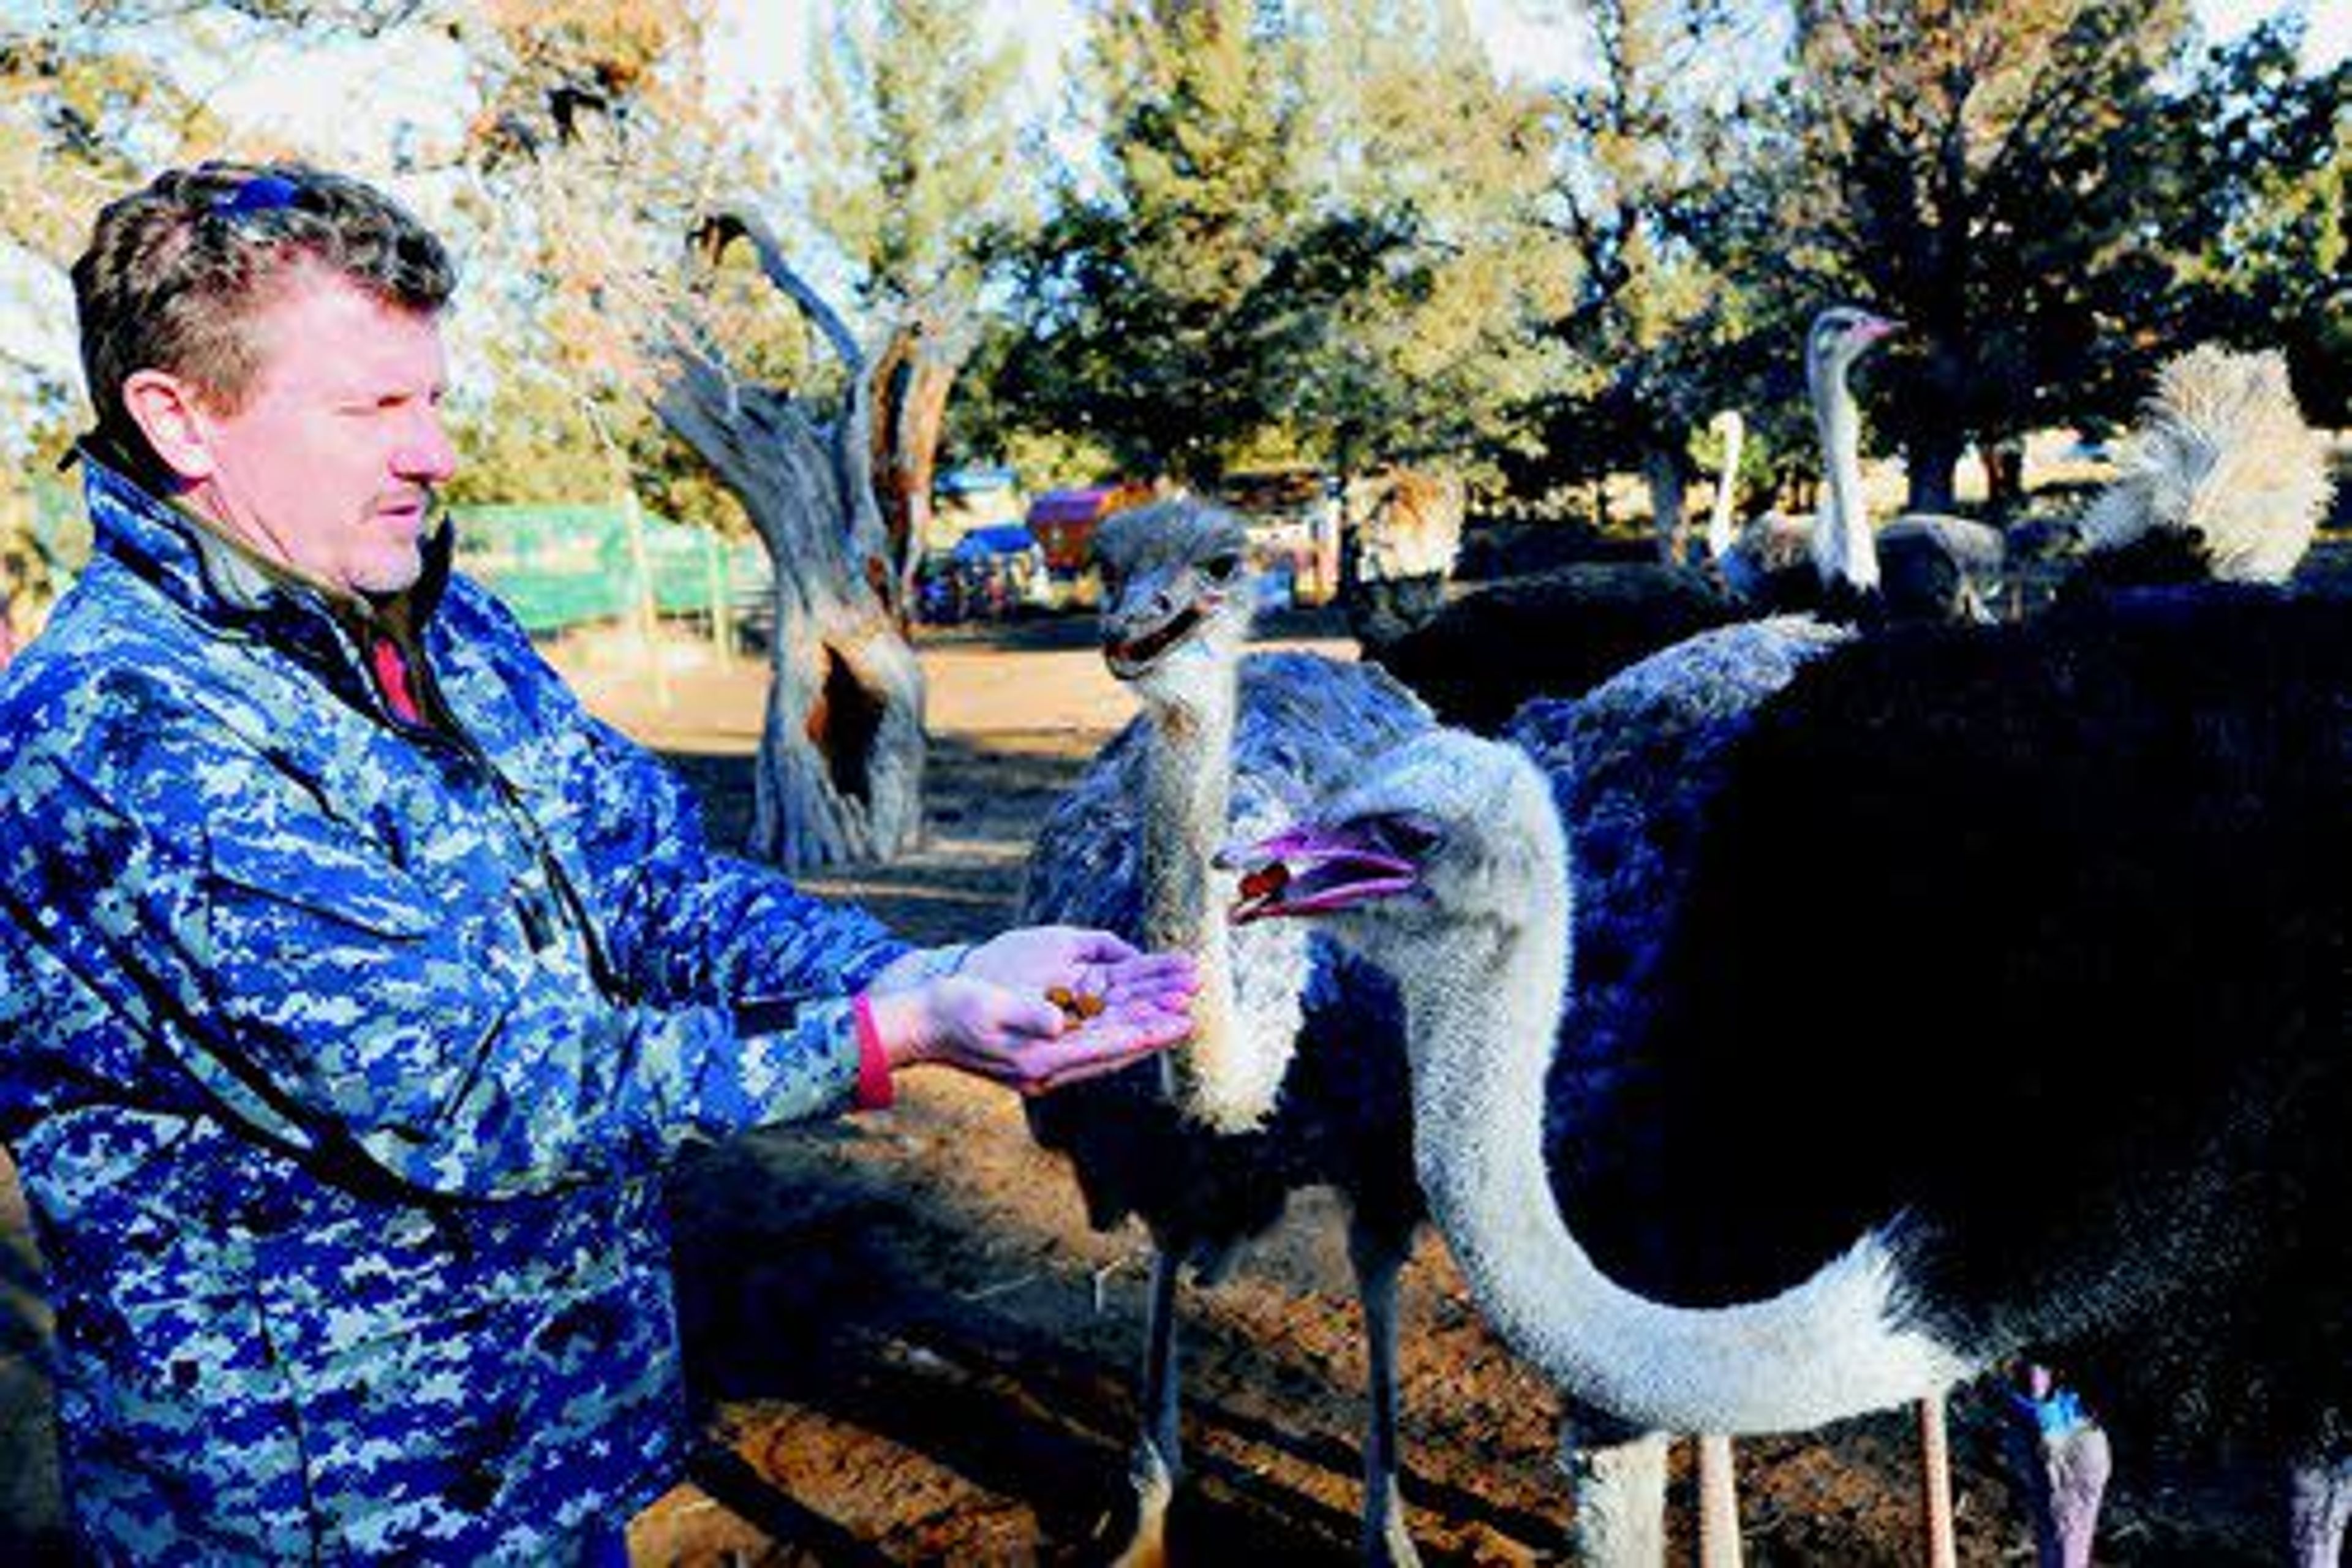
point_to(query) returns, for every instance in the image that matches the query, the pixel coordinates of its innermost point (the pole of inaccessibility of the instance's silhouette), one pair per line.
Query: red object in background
(1065, 522)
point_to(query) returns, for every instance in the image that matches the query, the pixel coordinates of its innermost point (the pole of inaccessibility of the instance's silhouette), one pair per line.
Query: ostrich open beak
(1313, 870)
(1130, 649)
(1877, 327)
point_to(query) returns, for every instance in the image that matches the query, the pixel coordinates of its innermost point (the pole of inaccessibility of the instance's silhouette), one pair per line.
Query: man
(354, 984)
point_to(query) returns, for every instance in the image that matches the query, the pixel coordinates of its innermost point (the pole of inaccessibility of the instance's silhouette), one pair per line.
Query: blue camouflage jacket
(339, 1055)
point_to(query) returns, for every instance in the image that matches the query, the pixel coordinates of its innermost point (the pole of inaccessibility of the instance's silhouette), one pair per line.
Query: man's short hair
(174, 272)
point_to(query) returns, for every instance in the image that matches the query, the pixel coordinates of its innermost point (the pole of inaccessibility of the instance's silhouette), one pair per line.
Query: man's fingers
(1101, 947)
(1084, 1067)
(1150, 975)
(1031, 1017)
(1132, 1033)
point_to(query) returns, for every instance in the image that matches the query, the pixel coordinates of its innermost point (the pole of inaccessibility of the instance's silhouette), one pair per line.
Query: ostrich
(1283, 1083)
(2145, 901)
(1637, 763)
(1732, 431)
(1778, 563)
(1208, 1160)
(1921, 566)
(2221, 482)
(1560, 633)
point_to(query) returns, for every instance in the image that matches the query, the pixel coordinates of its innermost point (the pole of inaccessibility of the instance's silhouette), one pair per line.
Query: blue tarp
(973, 481)
(1002, 539)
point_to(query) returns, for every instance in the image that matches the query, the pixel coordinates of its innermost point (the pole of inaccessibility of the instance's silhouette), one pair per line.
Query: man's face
(328, 467)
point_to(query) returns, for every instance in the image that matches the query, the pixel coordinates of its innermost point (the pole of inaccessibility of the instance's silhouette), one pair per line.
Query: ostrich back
(1555, 633)
(1305, 725)
(1634, 766)
(2068, 901)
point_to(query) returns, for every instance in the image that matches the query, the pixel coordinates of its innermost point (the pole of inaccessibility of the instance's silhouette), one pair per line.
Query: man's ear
(165, 409)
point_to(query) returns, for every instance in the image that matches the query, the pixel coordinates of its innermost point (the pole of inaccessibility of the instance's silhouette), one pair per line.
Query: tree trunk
(912, 378)
(1662, 468)
(1933, 458)
(840, 774)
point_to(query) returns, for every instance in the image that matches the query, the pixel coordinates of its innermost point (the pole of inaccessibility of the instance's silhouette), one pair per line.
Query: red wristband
(875, 1091)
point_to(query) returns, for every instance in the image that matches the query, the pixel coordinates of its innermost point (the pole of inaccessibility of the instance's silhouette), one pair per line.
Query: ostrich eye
(1406, 837)
(1222, 568)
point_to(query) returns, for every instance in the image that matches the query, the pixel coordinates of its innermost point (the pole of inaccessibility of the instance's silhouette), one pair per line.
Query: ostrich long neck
(1718, 519)
(1481, 1019)
(1842, 547)
(1187, 795)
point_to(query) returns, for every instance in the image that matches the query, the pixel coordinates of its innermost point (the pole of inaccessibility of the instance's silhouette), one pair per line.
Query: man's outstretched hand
(1041, 1007)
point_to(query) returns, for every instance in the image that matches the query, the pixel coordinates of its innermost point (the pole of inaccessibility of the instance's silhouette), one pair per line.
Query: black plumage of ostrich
(2221, 473)
(1294, 1077)
(2122, 937)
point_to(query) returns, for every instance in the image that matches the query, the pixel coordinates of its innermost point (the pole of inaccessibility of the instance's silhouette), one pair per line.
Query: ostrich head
(1445, 835)
(1840, 335)
(1176, 600)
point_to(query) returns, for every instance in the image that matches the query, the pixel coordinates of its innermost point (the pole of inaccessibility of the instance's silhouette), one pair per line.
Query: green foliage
(1312, 223)
(1319, 230)
(1147, 300)
(907, 140)
(1985, 171)
(2256, 218)
(1432, 176)
(1664, 171)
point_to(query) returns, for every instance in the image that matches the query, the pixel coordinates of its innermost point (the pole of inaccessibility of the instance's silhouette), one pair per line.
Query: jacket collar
(218, 580)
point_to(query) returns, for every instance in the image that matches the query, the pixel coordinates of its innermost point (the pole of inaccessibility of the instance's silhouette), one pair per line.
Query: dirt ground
(911, 1349)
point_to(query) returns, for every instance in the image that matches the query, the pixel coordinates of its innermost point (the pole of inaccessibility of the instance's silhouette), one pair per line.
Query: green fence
(556, 565)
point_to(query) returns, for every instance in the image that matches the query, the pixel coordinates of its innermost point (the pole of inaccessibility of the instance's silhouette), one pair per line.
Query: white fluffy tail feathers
(2222, 452)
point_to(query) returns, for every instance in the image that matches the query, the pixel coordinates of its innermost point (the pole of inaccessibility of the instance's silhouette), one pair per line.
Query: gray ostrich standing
(1283, 1084)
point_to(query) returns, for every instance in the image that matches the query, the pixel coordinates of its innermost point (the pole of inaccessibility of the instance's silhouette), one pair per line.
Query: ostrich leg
(1719, 1502)
(2319, 1505)
(1158, 1458)
(1617, 1489)
(1377, 1252)
(1936, 1484)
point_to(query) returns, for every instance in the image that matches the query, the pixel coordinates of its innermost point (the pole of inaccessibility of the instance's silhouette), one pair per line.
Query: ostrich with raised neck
(2150, 879)
(1294, 1074)
(1558, 633)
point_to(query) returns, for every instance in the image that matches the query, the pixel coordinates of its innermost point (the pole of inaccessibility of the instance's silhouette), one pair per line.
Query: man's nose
(426, 456)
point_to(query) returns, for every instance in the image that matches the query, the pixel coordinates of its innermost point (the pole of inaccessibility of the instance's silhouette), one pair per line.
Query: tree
(1155, 297)
(1984, 170)
(2258, 214)
(1655, 158)
(1427, 273)
(1311, 236)
(906, 143)
(635, 211)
